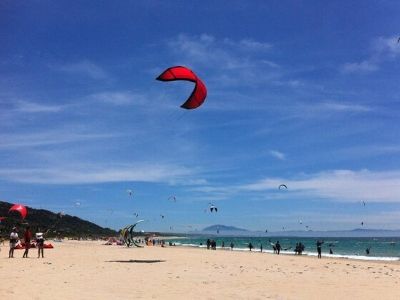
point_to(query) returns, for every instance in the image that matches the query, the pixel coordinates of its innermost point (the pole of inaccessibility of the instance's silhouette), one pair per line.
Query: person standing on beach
(250, 246)
(232, 245)
(208, 244)
(261, 248)
(40, 242)
(278, 247)
(27, 240)
(13, 242)
(319, 248)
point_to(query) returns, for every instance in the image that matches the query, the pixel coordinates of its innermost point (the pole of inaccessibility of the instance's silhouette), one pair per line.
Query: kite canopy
(2, 219)
(172, 198)
(213, 207)
(283, 186)
(199, 93)
(128, 234)
(19, 208)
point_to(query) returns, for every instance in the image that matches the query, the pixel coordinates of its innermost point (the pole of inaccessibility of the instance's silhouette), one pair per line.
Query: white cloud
(32, 107)
(361, 67)
(52, 137)
(344, 107)
(119, 98)
(383, 49)
(232, 62)
(88, 174)
(339, 185)
(277, 154)
(84, 67)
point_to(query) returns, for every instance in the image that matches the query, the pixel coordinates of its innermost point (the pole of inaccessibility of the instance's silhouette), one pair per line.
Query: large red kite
(2, 219)
(199, 93)
(19, 208)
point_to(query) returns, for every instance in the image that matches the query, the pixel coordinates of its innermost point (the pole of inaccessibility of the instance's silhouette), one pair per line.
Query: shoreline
(305, 253)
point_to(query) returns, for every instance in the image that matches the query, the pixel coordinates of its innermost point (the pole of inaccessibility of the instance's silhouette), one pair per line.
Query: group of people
(211, 244)
(14, 240)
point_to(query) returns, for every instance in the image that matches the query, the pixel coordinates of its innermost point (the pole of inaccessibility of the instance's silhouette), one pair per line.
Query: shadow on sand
(138, 261)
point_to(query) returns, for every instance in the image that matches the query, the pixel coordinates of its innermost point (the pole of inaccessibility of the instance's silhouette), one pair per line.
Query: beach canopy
(199, 92)
(21, 209)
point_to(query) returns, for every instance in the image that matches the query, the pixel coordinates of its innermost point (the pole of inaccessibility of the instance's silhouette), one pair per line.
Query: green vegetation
(64, 226)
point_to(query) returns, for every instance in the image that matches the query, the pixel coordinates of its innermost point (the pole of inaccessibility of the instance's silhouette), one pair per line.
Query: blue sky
(301, 93)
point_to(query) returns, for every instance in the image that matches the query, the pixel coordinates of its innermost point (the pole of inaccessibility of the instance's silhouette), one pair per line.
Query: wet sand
(90, 270)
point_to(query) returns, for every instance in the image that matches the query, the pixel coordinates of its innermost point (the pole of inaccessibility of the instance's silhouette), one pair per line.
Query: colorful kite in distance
(20, 209)
(199, 93)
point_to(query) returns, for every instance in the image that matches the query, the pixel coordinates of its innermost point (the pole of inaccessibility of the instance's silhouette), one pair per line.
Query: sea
(380, 248)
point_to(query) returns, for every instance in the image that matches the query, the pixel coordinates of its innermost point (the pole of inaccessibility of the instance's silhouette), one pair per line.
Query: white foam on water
(288, 252)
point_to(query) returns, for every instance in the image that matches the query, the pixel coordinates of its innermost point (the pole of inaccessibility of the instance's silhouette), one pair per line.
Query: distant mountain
(223, 228)
(65, 225)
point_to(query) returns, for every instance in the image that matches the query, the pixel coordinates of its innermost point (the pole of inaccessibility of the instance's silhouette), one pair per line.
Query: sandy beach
(90, 270)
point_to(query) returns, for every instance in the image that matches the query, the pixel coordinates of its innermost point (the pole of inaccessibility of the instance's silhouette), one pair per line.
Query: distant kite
(282, 186)
(130, 192)
(21, 209)
(162, 216)
(213, 207)
(199, 93)
(172, 198)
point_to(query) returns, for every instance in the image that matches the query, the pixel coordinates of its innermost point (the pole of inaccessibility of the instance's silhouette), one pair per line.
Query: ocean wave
(307, 253)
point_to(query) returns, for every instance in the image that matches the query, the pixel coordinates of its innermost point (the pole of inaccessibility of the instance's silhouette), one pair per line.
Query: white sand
(90, 270)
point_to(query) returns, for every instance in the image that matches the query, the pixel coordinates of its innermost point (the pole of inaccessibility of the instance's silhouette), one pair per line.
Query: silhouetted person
(27, 240)
(367, 250)
(261, 248)
(232, 245)
(250, 246)
(278, 247)
(208, 243)
(319, 248)
(330, 251)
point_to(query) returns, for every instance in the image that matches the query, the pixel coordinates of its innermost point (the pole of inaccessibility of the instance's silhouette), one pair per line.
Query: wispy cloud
(119, 98)
(32, 107)
(84, 67)
(232, 62)
(339, 185)
(343, 107)
(88, 174)
(277, 154)
(44, 138)
(361, 67)
(383, 49)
